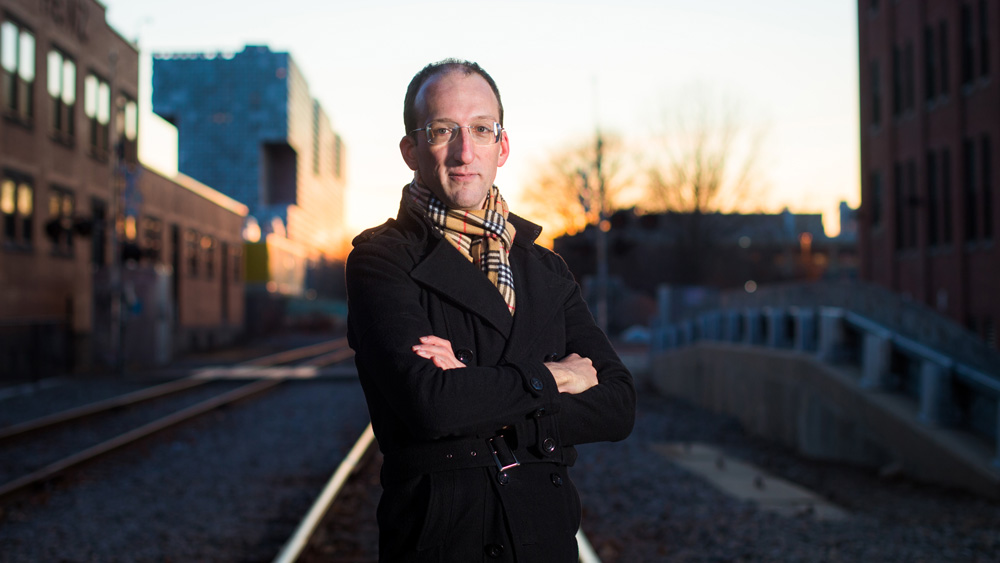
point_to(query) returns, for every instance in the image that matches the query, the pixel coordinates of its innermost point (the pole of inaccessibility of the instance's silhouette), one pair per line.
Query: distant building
(717, 250)
(101, 259)
(248, 126)
(930, 132)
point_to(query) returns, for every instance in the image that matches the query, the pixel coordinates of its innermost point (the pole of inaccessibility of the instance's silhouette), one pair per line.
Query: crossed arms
(572, 374)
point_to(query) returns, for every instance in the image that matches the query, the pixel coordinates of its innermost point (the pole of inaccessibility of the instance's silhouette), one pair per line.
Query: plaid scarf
(483, 236)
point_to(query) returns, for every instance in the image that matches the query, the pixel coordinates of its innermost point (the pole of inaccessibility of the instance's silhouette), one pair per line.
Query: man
(480, 362)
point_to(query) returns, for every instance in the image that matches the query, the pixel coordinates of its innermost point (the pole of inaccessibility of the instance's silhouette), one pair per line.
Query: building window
(986, 182)
(152, 237)
(943, 56)
(968, 45)
(97, 108)
(17, 205)
(62, 204)
(338, 151)
(191, 241)
(946, 220)
(237, 253)
(208, 248)
(877, 196)
(909, 78)
(911, 204)
(969, 182)
(984, 43)
(897, 82)
(127, 128)
(899, 197)
(98, 233)
(315, 137)
(17, 59)
(62, 94)
(933, 200)
(930, 64)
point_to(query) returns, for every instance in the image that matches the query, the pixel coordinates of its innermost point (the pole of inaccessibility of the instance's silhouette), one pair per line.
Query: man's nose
(463, 148)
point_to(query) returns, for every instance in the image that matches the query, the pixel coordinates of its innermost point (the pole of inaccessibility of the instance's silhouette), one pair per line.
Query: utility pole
(602, 239)
(593, 199)
(117, 328)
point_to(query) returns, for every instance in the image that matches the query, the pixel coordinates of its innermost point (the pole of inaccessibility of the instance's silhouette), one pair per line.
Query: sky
(564, 69)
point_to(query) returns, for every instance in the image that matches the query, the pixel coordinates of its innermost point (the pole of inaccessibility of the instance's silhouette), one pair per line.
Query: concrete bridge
(839, 371)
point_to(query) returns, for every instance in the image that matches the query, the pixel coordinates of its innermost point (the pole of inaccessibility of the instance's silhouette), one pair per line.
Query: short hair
(433, 69)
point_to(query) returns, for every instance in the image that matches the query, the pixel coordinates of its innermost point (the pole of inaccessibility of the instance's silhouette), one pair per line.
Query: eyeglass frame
(498, 130)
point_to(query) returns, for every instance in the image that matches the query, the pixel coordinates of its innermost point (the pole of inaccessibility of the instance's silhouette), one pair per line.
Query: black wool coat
(445, 498)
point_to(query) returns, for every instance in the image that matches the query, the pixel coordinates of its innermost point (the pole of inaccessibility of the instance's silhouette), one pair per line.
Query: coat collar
(540, 291)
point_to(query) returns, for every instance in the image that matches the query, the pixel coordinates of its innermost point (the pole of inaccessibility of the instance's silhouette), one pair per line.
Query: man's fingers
(438, 350)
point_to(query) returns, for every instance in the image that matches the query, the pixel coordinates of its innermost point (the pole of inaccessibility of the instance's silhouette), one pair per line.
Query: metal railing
(948, 392)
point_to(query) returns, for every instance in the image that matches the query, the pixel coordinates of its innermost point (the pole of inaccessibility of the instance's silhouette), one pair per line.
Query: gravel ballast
(229, 486)
(233, 486)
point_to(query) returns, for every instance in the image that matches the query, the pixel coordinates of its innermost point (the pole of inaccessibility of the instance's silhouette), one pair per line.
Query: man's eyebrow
(450, 120)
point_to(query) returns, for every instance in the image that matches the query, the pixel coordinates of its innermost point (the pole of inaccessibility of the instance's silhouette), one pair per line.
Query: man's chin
(466, 198)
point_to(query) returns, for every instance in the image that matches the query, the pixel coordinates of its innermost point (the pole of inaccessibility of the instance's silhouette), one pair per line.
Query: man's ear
(504, 149)
(408, 148)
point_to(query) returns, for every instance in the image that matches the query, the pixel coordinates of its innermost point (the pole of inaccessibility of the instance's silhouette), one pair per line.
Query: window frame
(63, 119)
(17, 98)
(17, 229)
(62, 243)
(97, 97)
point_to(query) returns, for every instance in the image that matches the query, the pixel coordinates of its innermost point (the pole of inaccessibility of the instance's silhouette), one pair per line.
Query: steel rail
(297, 353)
(176, 386)
(100, 406)
(173, 419)
(587, 553)
(331, 358)
(294, 546)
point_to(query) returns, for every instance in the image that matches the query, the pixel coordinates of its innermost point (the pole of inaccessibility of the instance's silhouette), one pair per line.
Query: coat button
(464, 355)
(493, 550)
(548, 445)
(536, 384)
(503, 478)
(551, 357)
(539, 413)
(556, 479)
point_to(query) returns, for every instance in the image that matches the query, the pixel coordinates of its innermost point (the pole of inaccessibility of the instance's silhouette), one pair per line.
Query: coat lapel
(447, 272)
(540, 294)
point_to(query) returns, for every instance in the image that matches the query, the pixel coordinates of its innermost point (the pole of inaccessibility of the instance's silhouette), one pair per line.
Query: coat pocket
(440, 505)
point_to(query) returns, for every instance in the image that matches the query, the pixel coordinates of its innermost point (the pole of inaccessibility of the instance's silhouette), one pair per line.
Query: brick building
(248, 126)
(930, 132)
(94, 248)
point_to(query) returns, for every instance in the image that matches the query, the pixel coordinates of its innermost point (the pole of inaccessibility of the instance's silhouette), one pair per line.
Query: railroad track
(204, 385)
(343, 512)
(333, 533)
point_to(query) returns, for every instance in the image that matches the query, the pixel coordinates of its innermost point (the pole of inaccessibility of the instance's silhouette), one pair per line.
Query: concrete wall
(822, 411)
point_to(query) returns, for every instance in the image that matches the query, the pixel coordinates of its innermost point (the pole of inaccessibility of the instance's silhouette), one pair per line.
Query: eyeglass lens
(482, 132)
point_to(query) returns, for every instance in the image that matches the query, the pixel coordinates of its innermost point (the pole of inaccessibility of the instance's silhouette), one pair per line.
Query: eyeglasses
(444, 132)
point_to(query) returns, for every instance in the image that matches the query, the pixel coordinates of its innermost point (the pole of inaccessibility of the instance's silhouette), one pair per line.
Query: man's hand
(439, 351)
(573, 374)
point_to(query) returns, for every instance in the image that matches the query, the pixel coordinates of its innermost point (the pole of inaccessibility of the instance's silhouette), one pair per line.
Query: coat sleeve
(386, 318)
(605, 412)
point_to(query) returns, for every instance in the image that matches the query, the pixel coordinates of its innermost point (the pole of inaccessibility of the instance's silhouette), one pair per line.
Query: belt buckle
(502, 454)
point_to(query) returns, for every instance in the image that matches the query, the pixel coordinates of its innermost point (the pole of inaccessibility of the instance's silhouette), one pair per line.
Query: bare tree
(576, 186)
(706, 162)
(706, 159)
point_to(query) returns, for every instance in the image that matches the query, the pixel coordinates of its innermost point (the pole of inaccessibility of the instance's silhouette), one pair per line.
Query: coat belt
(431, 457)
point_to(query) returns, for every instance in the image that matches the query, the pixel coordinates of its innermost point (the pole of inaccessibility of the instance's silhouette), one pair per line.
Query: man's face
(459, 173)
